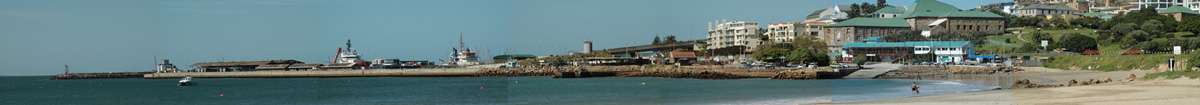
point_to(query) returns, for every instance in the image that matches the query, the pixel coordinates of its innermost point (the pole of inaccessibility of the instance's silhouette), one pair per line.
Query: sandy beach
(1142, 92)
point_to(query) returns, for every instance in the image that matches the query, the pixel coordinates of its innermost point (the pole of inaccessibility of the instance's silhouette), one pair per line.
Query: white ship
(348, 58)
(464, 57)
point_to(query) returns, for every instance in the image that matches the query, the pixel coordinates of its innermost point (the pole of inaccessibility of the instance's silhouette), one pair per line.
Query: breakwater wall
(100, 75)
(429, 72)
(695, 72)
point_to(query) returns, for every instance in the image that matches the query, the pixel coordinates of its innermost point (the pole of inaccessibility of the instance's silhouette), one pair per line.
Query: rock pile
(1025, 83)
(796, 75)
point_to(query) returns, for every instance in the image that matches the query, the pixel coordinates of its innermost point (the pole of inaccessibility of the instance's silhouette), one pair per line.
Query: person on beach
(1132, 77)
(915, 88)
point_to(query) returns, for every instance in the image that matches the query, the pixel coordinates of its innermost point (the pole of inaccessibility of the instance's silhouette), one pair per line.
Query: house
(889, 12)
(683, 57)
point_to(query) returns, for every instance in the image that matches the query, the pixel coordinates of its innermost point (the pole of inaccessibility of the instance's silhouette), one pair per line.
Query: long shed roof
(907, 44)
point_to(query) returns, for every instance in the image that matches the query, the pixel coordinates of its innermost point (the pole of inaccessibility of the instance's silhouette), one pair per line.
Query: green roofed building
(940, 18)
(1177, 12)
(946, 52)
(856, 29)
(889, 12)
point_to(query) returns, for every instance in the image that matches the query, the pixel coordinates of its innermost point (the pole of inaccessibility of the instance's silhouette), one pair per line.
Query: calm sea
(456, 91)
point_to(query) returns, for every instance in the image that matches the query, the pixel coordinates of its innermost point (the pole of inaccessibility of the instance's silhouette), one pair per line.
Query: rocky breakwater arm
(522, 71)
(699, 72)
(805, 74)
(945, 72)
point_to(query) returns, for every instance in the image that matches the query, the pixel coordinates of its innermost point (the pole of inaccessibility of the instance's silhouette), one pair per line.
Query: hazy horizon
(40, 36)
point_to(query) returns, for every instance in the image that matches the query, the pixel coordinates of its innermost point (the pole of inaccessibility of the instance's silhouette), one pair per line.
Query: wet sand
(1119, 92)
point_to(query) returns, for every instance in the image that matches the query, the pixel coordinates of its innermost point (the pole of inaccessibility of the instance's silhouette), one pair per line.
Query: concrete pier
(425, 72)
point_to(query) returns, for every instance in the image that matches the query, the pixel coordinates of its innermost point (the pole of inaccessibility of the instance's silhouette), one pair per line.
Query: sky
(38, 37)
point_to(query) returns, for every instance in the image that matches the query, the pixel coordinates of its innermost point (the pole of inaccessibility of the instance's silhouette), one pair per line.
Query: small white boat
(186, 81)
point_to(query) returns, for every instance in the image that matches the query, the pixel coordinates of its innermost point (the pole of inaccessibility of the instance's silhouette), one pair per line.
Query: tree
(1183, 35)
(1152, 27)
(802, 50)
(1189, 26)
(1076, 43)
(1135, 36)
(862, 9)
(670, 39)
(656, 40)
(854, 11)
(881, 3)
(772, 52)
(1088, 22)
(1194, 61)
(1124, 28)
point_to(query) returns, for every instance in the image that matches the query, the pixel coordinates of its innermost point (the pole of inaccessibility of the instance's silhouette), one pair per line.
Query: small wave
(807, 100)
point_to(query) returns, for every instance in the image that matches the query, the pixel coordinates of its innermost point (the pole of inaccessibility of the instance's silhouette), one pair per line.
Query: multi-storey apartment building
(726, 34)
(1194, 5)
(784, 32)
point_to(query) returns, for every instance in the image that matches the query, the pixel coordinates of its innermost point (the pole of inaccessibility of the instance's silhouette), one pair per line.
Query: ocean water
(457, 91)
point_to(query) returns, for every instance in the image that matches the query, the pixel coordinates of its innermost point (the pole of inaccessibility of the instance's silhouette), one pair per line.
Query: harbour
(600, 52)
(456, 90)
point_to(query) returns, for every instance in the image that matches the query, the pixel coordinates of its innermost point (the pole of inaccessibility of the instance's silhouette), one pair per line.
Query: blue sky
(39, 36)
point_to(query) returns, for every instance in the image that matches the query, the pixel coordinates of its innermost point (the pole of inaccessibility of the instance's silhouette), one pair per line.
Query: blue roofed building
(945, 52)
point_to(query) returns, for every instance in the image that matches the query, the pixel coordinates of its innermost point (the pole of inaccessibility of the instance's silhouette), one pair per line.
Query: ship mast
(461, 44)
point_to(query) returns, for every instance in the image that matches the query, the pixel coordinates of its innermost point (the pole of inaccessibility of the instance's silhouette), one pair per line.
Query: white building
(784, 32)
(726, 34)
(817, 23)
(1045, 10)
(1163, 4)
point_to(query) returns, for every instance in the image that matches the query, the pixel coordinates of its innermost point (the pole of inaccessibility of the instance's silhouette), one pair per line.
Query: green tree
(801, 50)
(1189, 26)
(1152, 27)
(1194, 61)
(670, 39)
(1124, 28)
(1076, 43)
(656, 40)
(1088, 22)
(1135, 36)
(1183, 35)
(772, 53)
(881, 3)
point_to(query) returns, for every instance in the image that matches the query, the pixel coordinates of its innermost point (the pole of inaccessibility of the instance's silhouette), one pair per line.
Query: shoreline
(694, 72)
(1118, 92)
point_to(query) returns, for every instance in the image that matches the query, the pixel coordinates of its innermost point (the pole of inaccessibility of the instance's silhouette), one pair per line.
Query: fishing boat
(186, 81)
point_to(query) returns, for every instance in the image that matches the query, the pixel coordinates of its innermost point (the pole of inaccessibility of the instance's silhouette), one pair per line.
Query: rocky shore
(694, 72)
